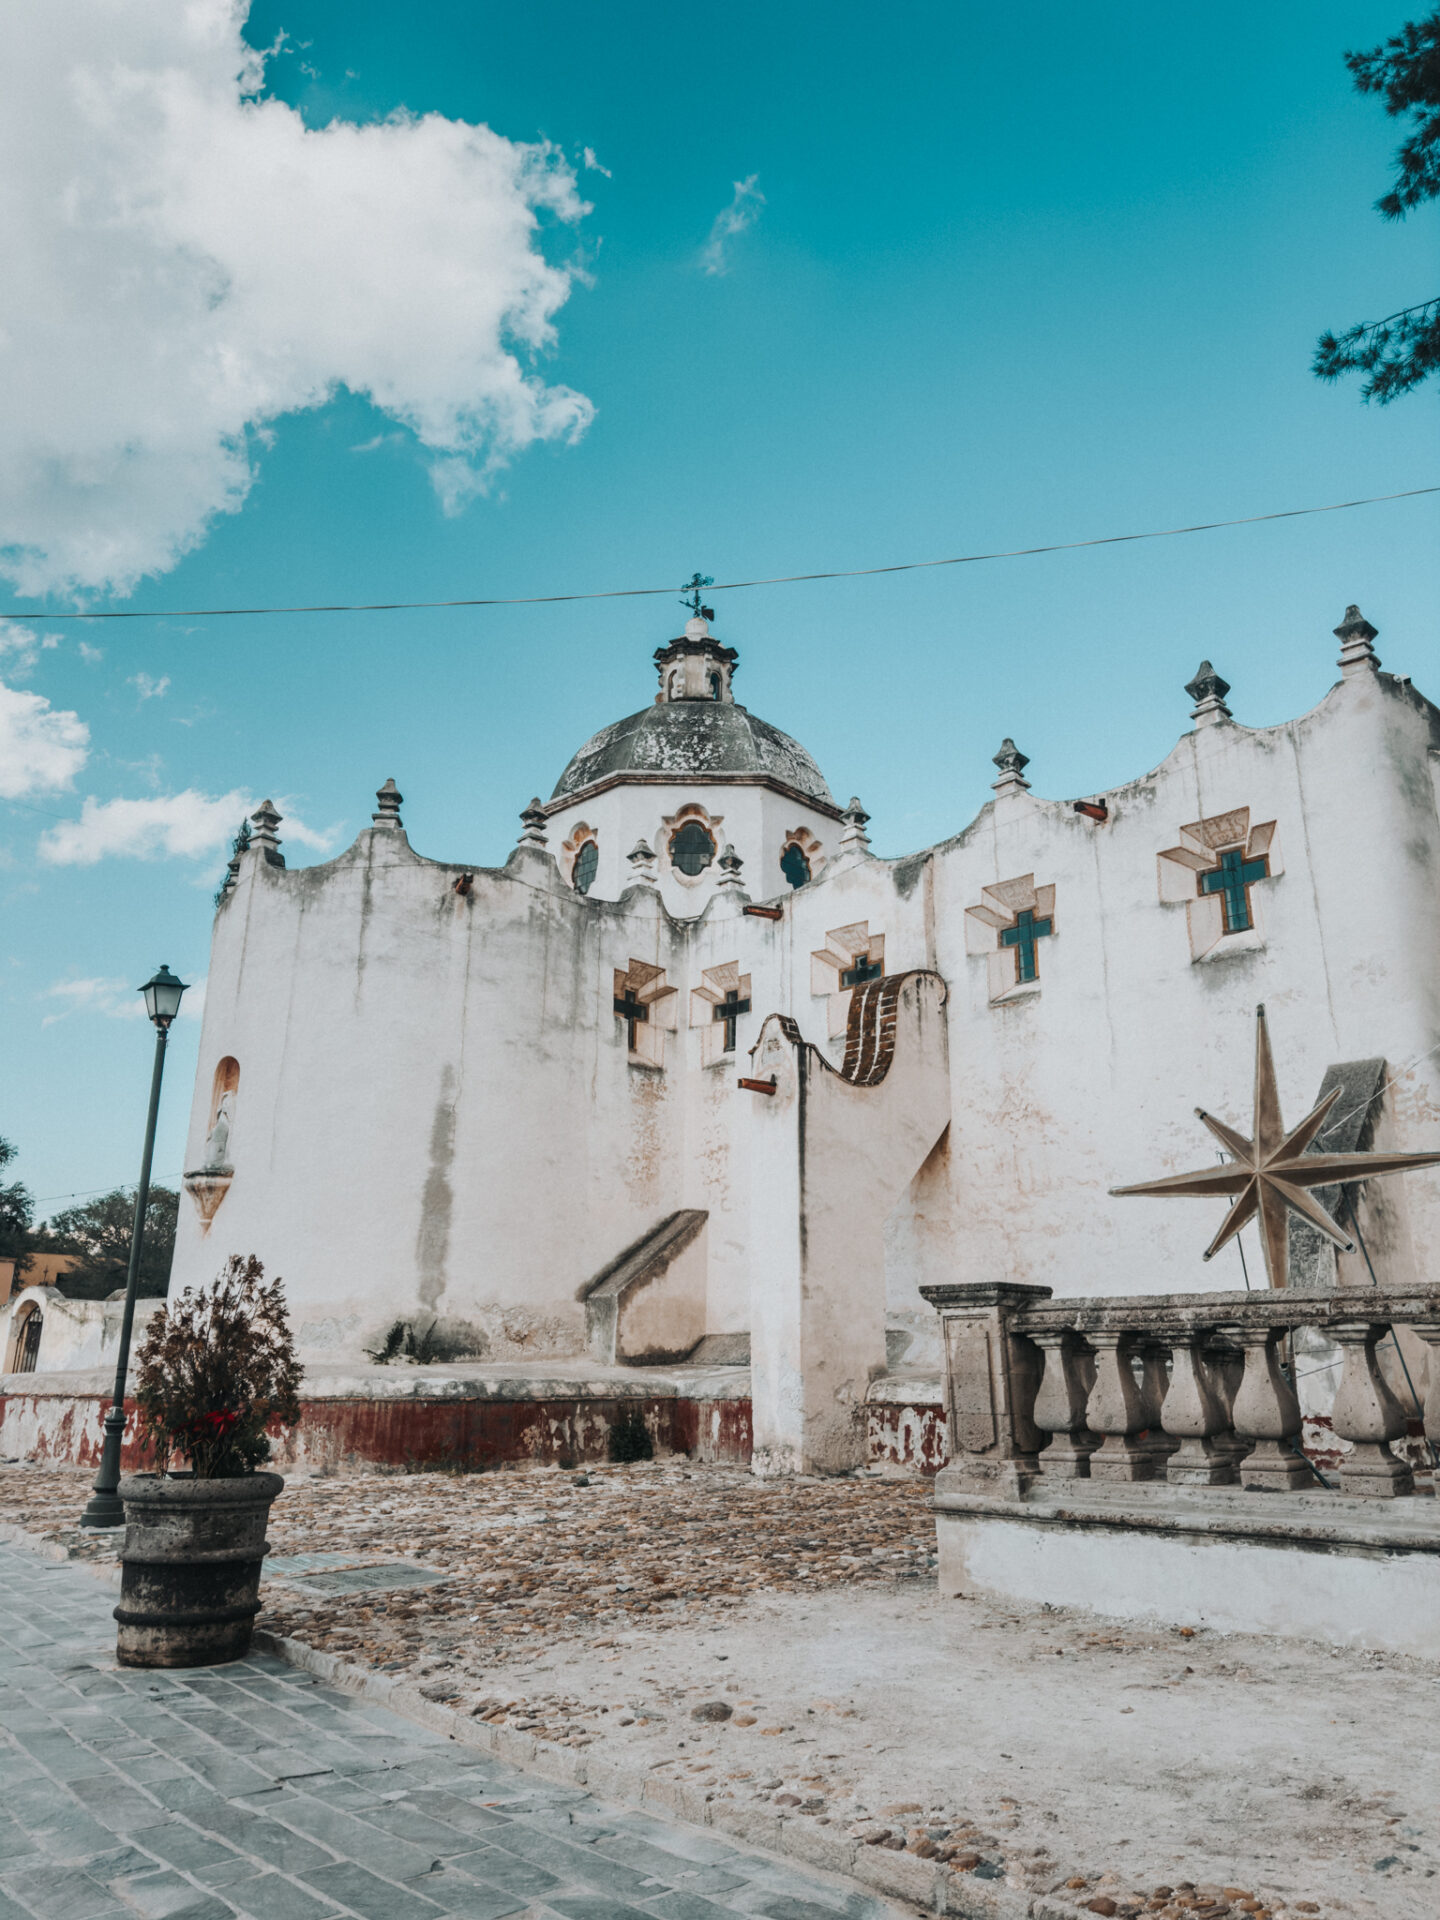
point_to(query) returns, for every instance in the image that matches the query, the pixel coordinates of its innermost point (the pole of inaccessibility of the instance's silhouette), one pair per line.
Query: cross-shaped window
(1022, 937)
(864, 969)
(1232, 880)
(632, 1011)
(729, 1010)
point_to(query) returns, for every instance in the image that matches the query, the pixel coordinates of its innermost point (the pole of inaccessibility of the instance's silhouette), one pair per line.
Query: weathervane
(1269, 1173)
(693, 586)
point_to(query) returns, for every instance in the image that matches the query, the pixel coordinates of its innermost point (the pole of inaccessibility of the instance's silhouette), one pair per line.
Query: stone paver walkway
(252, 1789)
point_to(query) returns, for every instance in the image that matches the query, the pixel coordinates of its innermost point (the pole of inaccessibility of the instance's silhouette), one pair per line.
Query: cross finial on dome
(693, 588)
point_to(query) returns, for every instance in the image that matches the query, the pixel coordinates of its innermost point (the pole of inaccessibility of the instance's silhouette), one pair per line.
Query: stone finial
(1208, 691)
(532, 822)
(267, 818)
(388, 799)
(730, 864)
(853, 838)
(1355, 634)
(1012, 764)
(642, 865)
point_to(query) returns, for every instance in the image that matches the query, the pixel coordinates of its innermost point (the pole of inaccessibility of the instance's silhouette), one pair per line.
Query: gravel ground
(781, 1643)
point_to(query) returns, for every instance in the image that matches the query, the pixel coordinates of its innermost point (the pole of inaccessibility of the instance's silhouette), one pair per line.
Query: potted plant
(217, 1369)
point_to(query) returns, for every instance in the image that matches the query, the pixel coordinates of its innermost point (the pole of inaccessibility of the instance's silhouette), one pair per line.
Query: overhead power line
(725, 586)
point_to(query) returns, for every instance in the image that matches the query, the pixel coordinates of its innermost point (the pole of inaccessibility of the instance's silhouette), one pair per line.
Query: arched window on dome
(794, 865)
(587, 863)
(692, 848)
(714, 686)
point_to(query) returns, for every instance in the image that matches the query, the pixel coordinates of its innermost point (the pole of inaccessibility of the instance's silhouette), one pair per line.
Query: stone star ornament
(1269, 1174)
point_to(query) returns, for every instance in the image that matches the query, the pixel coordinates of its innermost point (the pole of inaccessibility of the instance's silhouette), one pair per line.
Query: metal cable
(725, 586)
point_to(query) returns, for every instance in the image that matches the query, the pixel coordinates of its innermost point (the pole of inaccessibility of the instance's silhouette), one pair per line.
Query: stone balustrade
(1194, 1390)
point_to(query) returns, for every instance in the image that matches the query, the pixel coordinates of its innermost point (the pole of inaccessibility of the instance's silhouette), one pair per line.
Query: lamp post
(162, 1002)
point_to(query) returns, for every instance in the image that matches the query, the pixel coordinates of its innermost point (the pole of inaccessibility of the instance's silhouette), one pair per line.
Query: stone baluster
(1154, 1390)
(1223, 1363)
(1266, 1411)
(1429, 1332)
(1368, 1415)
(1116, 1409)
(1197, 1414)
(1060, 1404)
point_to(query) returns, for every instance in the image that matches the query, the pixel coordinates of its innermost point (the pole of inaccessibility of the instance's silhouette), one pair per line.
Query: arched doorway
(25, 1339)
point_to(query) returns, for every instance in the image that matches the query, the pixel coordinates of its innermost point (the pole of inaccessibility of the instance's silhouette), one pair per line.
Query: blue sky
(997, 276)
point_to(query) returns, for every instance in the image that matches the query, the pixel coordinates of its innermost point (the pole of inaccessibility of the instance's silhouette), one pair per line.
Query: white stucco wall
(437, 1116)
(74, 1334)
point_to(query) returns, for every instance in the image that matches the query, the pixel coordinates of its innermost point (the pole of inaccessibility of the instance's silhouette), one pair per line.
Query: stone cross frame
(647, 1006)
(1004, 926)
(850, 956)
(1215, 870)
(716, 1006)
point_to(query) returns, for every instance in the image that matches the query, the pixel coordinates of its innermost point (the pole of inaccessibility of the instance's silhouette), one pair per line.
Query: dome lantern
(696, 666)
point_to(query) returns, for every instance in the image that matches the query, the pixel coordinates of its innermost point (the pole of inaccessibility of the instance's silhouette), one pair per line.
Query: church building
(697, 1079)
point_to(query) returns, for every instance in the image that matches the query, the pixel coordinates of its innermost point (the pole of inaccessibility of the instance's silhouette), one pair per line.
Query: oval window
(691, 848)
(794, 865)
(587, 862)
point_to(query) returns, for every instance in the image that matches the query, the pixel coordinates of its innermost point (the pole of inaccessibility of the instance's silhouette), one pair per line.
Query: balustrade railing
(1189, 1389)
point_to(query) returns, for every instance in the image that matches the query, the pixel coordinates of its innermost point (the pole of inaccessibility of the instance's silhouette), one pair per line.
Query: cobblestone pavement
(527, 1551)
(780, 1648)
(252, 1789)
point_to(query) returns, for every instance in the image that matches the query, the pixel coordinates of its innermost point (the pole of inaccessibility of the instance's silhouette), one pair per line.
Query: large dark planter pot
(190, 1582)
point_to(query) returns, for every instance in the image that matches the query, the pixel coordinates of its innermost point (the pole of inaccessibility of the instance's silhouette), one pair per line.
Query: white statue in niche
(217, 1141)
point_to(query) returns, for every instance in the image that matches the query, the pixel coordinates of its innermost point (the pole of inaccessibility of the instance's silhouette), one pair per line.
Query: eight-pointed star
(1270, 1172)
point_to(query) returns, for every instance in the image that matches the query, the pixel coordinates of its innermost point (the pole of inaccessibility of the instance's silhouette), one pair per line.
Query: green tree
(1398, 352)
(16, 1211)
(100, 1233)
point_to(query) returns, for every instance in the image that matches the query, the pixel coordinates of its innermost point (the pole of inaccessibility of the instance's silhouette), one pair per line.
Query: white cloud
(147, 688)
(41, 749)
(20, 645)
(189, 825)
(592, 165)
(186, 262)
(742, 212)
(116, 999)
(90, 655)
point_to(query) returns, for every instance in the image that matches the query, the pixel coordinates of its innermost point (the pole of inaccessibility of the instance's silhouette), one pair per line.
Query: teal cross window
(864, 969)
(1232, 880)
(632, 1011)
(729, 1010)
(1022, 937)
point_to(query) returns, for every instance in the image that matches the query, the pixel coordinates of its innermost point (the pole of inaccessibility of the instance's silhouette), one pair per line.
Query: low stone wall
(416, 1434)
(907, 1427)
(405, 1419)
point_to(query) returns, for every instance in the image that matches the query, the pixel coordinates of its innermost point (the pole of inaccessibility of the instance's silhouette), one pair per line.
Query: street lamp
(162, 993)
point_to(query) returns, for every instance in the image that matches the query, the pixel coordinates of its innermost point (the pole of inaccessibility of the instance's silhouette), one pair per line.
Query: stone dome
(693, 739)
(694, 731)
